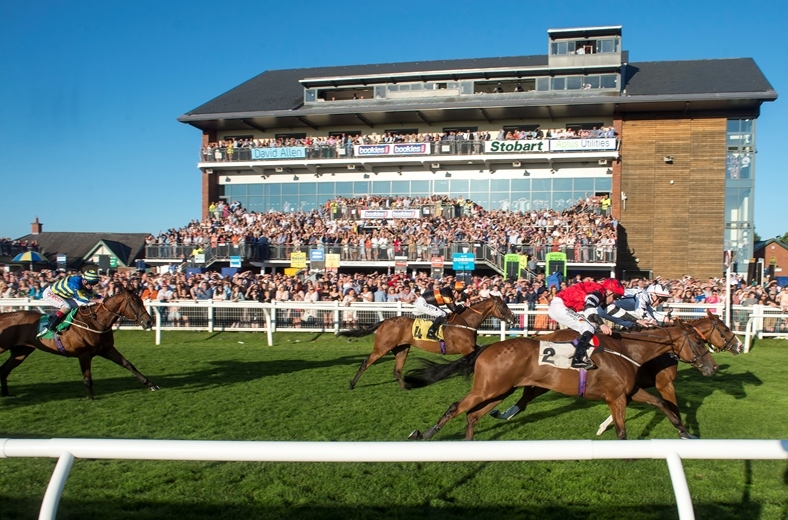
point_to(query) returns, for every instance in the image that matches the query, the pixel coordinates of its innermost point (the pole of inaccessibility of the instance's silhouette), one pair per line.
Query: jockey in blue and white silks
(640, 306)
(66, 294)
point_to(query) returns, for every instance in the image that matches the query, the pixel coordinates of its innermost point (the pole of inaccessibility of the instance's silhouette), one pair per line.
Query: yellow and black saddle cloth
(420, 328)
(61, 327)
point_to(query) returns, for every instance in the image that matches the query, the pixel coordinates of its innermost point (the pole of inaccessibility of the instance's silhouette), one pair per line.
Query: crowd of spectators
(458, 141)
(370, 287)
(586, 232)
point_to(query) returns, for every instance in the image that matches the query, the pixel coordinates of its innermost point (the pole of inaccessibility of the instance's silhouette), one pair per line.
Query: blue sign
(316, 255)
(289, 152)
(463, 261)
(235, 261)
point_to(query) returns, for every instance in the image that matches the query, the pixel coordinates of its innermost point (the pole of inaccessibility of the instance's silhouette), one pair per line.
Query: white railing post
(680, 487)
(55, 488)
(157, 312)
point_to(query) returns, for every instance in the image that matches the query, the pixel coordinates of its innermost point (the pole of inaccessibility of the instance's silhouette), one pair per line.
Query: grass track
(213, 387)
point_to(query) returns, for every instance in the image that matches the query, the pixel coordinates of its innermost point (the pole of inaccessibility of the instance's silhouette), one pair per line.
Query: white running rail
(673, 451)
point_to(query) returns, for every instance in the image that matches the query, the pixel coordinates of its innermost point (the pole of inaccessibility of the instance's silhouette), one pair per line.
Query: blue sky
(90, 91)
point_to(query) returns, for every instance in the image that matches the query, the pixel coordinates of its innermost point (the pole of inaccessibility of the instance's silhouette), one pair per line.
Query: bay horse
(460, 334)
(90, 335)
(500, 368)
(658, 373)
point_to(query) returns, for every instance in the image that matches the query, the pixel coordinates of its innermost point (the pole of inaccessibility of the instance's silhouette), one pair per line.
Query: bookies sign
(290, 152)
(390, 213)
(549, 145)
(463, 261)
(368, 150)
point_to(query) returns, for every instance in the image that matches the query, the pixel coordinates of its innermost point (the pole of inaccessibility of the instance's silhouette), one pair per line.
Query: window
(607, 45)
(558, 84)
(574, 82)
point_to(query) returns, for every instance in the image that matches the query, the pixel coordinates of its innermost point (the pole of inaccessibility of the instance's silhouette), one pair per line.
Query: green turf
(232, 386)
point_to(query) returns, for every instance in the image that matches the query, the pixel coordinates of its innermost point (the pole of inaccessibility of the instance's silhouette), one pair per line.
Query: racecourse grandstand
(669, 146)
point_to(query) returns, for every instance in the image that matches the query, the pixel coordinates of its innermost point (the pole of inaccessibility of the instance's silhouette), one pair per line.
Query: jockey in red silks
(577, 307)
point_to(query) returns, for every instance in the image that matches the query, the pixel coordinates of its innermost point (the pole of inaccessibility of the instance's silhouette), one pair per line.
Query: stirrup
(43, 332)
(583, 363)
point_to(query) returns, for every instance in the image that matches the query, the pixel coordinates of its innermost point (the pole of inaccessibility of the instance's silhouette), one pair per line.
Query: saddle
(420, 328)
(61, 327)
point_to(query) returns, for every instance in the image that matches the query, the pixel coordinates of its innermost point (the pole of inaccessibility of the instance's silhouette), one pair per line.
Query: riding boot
(580, 360)
(432, 333)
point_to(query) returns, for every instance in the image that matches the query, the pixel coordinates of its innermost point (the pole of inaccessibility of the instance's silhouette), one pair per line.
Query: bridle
(90, 310)
(727, 346)
(675, 350)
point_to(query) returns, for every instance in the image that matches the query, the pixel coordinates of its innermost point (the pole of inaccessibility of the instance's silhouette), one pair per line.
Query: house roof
(127, 247)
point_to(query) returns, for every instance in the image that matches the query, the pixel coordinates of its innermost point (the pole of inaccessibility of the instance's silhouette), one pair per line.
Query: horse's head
(691, 348)
(128, 305)
(503, 312)
(720, 337)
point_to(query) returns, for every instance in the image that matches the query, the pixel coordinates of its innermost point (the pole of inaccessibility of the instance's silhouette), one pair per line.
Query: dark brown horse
(395, 335)
(90, 335)
(660, 372)
(501, 367)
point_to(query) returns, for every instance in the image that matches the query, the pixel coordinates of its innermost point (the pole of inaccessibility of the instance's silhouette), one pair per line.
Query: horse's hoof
(153, 388)
(686, 436)
(495, 413)
(352, 386)
(415, 435)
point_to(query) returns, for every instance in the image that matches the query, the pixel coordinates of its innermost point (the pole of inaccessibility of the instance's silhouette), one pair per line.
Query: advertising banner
(290, 152)
(298, 259)
(569, 145)
(373, 150)
(463, 261)
(389, 213)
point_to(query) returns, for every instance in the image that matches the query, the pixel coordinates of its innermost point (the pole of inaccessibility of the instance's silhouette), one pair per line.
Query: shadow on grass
(437, 509)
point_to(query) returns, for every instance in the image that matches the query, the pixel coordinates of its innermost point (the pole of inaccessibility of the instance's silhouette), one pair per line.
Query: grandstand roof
(718, 83)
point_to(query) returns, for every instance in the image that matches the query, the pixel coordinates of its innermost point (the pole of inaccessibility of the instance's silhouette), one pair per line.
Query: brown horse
(90, 335)
(660, 372)
(460, 333)
(503, 366)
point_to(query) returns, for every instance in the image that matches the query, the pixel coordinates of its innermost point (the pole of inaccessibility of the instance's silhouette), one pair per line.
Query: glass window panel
(393, 88)
(417, 87)
(542, 184)
(273, 203)
(440, 186)
(584, 184)
(307, 203)
(453, 85)
(404, 88)
(400, 188)
(604, 184)
(381, 187)
(272, 189)
(254, 204)
(574, 82)
(344, 189)
(593, 81)
(482, 199)
(254, 189)
(542, 84)
(380, 91)
(458, 187)
(520, 201)
(322, 199)
(419, 188)
(480, 186)
(361, 188)
(562, 200)
(521, 185)
(610, 81)
(738, 166)
(558, 84)
(563, 184)
(466, 87)
(499, 185)
(325, 188)
(307, 188)
(310, 94)
(500, 200)
(540, 200)
(291, 188)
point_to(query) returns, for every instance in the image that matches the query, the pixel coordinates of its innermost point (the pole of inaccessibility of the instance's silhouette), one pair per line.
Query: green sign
(113, 261)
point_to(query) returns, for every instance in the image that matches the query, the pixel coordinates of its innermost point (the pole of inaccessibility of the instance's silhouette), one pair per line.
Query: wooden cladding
(674, 219)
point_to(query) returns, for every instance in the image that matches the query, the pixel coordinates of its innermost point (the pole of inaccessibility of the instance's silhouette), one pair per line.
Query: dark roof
(126, 246)
(723, 76)
(763, 243)
(278, 90)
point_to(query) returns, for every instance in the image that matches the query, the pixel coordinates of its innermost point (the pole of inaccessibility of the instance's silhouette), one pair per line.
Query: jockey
(69, 293)
(577, 307)
(640, 305)
(431, 301)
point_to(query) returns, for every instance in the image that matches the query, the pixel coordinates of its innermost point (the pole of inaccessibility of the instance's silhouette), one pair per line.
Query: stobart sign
(530, 146)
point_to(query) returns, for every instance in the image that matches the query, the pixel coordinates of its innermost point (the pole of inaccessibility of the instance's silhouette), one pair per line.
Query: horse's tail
(434, 371)
(360, 332)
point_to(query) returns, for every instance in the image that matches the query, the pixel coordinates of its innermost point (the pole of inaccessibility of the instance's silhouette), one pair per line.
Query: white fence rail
(749, 321)
(673, 451)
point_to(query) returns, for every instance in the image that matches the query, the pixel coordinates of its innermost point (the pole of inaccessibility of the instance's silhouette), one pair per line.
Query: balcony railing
(412, 150)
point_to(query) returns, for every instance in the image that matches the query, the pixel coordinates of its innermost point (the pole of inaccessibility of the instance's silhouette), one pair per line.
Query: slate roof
(127, 247)
(280, 89)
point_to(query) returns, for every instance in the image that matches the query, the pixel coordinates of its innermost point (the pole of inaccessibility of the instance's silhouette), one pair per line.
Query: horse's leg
(87, 379)
(641, 396)
(473, 416)
(377, 352)
(18, 354)
(113, 355)
(529, 394)
(618, 409)
(664, 384)
(468, 402)
(400, 355)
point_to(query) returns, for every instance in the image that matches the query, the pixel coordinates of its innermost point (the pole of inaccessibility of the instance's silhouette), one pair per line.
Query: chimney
(38, 227)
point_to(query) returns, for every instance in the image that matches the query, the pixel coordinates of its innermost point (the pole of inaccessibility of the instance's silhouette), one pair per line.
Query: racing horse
(500, 368)
(460, 333)
(90, 335)
(658, 373)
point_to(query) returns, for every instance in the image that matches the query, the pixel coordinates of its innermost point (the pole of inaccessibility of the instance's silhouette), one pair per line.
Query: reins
(89, 310)
(674, 351)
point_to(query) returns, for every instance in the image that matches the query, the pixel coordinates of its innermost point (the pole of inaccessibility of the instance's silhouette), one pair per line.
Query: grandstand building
(671, 142)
